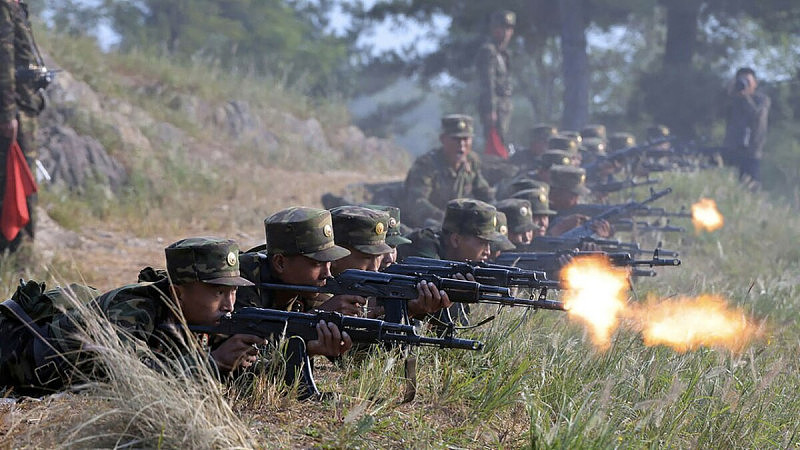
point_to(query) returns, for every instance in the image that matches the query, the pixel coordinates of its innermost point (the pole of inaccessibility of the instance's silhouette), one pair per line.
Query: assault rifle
(628, 225)
(585, 229)
(649, 211)
(394, 291)
(274, 324)
(594, 209)
(616, 186)
(556, 243)
(550, 261)
(483, 272)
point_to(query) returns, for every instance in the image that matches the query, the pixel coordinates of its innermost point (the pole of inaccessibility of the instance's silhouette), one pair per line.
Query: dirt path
(107, 255)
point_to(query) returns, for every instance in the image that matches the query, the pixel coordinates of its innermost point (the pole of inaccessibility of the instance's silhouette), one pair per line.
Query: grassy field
(538, 383)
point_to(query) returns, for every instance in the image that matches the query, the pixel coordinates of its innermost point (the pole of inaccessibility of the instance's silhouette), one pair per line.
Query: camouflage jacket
(746, 124)
(494, 78)
(256, 268)
(16, 51)
(431, 183)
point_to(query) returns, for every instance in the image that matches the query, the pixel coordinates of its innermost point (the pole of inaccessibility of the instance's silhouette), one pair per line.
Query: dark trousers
(749, 167)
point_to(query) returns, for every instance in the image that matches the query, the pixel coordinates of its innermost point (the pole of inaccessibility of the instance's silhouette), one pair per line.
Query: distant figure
(494, 76)
(448, 172)
(21, 100)
(746, 125)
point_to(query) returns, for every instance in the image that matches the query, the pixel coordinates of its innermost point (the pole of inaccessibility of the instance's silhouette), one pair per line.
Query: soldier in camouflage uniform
(394, 237)
(527, 160)
(494, 75)
(198, 287)
(540, 206)
(505, 245)
(451, 171)
(20, 100)
(520, 220)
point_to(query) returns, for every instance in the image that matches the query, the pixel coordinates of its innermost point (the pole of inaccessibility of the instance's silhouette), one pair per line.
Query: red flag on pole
(494, 145)
(19, 185)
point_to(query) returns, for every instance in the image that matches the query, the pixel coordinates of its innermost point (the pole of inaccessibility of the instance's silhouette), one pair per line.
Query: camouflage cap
(207, 259)
(519, 214)
(562, 142)
(594, 131)
(569, 178)
(595, 146)
(620, 140)
(528, 183)
(303, 231)
(360, 228)
(471, 217)
(552, 158)
(457, 125)
(393, 235)
(539, 200)
(543, 132)
(505, 244)
(504, 18)
(657, 132)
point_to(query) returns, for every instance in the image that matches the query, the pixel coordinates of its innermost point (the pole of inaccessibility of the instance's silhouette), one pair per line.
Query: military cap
(393, 236)
(562, 142)
(594, 131)
(539, 200)
(595, 146)
(528, 183)
(552, 158)
(303, 231)
(543, 132)
(207, 259)
(569, 178)
(519, 214)
(620, 140)
(504, 18)
(360, 228)
(505, 244)
(572, 134)
(457, 125)
(471, 217)
(657, 132)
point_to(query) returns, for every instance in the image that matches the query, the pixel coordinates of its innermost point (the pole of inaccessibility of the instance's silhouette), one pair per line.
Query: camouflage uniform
(292, 231)
(18, 100)
(526, 160)
(518, 214)
(394, 235)
(360, 228)
(432, 182)
(504, 245)
(493, 65)
(144, 313)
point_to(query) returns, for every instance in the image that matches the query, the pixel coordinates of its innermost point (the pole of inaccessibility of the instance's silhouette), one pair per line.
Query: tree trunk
(682, 27)
(574, 64)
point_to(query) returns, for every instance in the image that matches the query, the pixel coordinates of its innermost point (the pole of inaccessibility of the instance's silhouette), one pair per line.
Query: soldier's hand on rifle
(349, 305)
(430, 300)
(602, 228)
(238, 350)
(9, 129)
(329, 342)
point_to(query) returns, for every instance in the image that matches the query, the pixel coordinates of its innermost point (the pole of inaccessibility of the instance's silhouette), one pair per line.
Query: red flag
(494, 145)
(19, 185)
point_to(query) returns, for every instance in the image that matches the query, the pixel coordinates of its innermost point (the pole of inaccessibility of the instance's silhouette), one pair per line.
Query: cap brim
(373, 249)
(329, 254)
(524, 228)
(460, 134)
(544, 212)
(229, 281)
(503, 246)
(394, 241)
(581, 190)
(492, 237)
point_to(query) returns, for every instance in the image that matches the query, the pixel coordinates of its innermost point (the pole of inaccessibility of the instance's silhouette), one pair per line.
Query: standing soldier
(21, 86)
(451, 171)
(494, 76)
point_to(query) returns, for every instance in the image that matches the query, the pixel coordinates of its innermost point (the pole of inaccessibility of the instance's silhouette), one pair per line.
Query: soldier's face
(502, 35)
(561, 199)
(542, 221)
(389, 258)
(205, 304)
(456, 148)
(521, 238)
(301, 270)
(466, 247)
(357, 260)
